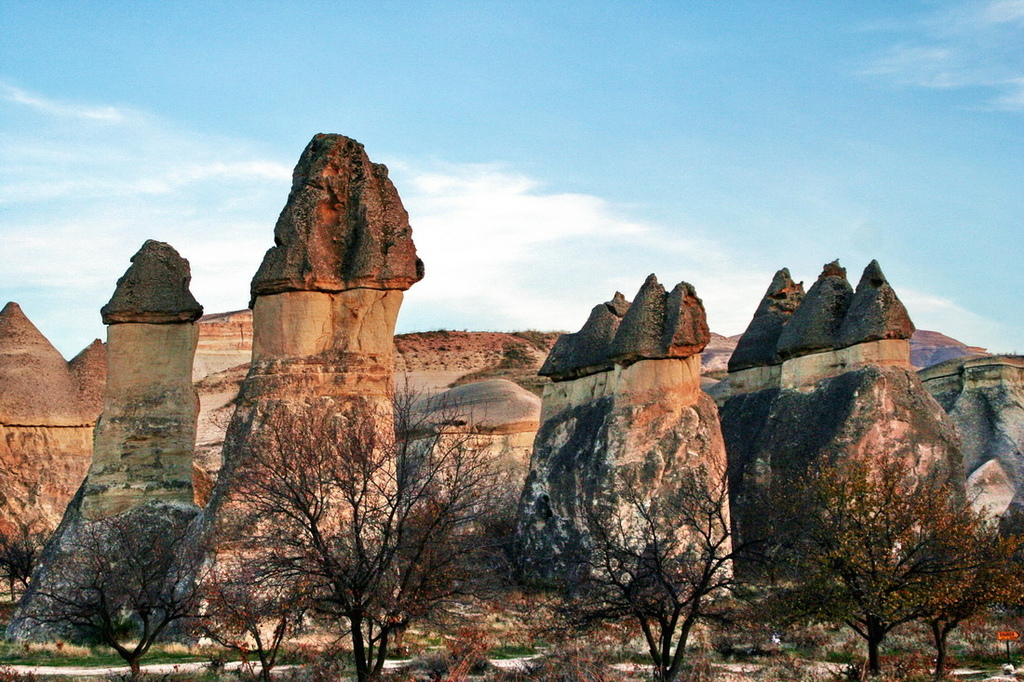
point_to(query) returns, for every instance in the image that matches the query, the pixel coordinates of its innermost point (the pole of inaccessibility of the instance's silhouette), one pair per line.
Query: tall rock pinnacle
(661, 325)
(757, 346)
(875, 312)
(815, 324)
(343, 227)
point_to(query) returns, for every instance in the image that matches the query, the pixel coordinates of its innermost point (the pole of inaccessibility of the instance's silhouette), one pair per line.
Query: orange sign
(1008, 636)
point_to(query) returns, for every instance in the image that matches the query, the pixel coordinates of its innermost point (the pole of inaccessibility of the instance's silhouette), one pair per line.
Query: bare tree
(121, 581)
(246, 610)
(20, 548)
(660, 559)
(381, 529)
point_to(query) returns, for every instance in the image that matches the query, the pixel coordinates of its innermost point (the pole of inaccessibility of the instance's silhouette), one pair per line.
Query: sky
(549, 153)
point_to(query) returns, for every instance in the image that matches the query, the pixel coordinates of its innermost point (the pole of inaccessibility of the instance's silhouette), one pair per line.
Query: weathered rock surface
(646, 414)
(588, 351)
(875, 312)
(144, 440)
(984, 397)
(142, 445)
(661, 325)
(845, 389)
(758, 346)
(343, 227)
(154, 290)
(815, 324)
(47, 413)
(325, 302)
(39, 389)
(500, 419)
(774, 436)
(929, 348)
(225, 341)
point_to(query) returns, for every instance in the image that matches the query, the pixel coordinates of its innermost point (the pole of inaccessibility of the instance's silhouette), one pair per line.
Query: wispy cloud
(48, 106)
(503, 252)
(82, 186)
(962, 45)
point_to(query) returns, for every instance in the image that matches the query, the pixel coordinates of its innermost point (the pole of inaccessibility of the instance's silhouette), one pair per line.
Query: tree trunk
(939, 633)
(876, 633)
(359, 650)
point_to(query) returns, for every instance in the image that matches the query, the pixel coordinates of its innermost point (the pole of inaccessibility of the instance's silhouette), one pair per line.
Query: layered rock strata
(48, 408)
(845, 389)
(625, 397)
(141, 469)
(325, 301)
(984, 397)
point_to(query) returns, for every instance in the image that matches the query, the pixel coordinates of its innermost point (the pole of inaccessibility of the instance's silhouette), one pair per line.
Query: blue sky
(548, 153)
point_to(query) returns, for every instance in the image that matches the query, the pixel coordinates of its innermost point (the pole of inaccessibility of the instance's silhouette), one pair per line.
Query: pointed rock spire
(89, 370)
(661, 325)
(586, 352)
(154, 289)
(343, 226)
(758, 345)
(875, 311)
(815, 325)
(38, 389)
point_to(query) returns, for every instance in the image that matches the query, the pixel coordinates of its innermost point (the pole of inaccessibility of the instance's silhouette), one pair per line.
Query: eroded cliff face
(47, 411)
(984, 397)
(844, 388)
(625, 399)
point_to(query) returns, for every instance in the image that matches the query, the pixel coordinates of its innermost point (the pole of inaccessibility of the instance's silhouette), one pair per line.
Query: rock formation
(499, 418)
(141, 468)
(325, 300)
(984, 397)
(47, 411)
(625, 397)
(845, 388)
(225, 341)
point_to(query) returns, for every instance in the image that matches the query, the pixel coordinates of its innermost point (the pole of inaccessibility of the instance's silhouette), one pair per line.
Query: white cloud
(972, 45)
(51, 107)
(81, 188)
(503, 253)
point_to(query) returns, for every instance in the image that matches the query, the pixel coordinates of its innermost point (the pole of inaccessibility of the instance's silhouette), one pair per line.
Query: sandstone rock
(587, 351)
(496, 406)
(928, 348)
(645, 415)
(984, 397)
(875, 312)
(38, 387)
(325, 302)
(758, 345)
(343, 227)
(661, 325)
(774, 436)
(154, 290)
(225, 341)
(815, 324)
(89, 371)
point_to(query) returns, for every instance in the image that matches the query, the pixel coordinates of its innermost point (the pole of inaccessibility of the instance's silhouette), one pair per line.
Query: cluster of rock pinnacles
(816, 376)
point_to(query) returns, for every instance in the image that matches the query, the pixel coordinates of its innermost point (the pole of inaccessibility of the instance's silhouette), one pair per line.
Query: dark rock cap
(586, 352)
(875, 311)
(661, 325)
(154, 289)
(343, 227)
(815, 325)
(758, 345)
